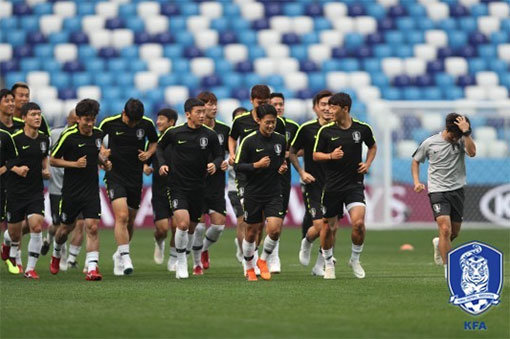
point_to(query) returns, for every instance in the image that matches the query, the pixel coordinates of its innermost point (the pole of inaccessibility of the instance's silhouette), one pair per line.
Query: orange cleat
(54, 265)
(264, 271)
(5, 251)
(250, 274)
(204, 258)
(31, 274)
(197, 270)
(20, 268)
(94, 275)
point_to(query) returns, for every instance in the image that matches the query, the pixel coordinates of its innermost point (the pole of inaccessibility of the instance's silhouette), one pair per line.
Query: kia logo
(495, 205)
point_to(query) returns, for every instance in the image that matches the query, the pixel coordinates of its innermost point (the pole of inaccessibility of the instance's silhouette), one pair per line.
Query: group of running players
(188, 164)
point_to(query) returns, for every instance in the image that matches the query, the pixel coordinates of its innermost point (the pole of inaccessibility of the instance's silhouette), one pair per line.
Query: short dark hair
(450, 120)
(266, 109)
(169, 113)
(322, 94)
(5, 92)
(277, 95)
(29, 106)
(238, 110)
(134, 109)
(87, 107)
(192, 102)
(19, 84)
(260, 92)
(341, 99)
(207, 96)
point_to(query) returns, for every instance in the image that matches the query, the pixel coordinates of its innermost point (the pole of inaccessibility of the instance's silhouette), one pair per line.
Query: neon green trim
(108, 119)
(299, 129)
(364, 123)
(10, 136)
(62, 138)
(319, 133)
(242, 143)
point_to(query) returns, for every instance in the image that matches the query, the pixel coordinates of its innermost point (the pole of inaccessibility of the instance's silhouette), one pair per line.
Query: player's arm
(465, 128)
(10, 151)
(164, 141)
(57, 156)
(232, 143)
(283, 163)
(45, 170)
(319, 149)
(296, 150)
(363, 167)
(418, 156)
(243, 158)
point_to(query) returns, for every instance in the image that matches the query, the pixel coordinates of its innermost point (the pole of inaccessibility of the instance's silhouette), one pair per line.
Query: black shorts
(333, 202)
(73, 207)
(192, 201)
(18, 210)
(215, 202)
(2, 204)
(55, 208)
(256, 209)
(118, 190)
(236, 203)
(285, 182)
(312, 194)
(448, 203)
(161, 205)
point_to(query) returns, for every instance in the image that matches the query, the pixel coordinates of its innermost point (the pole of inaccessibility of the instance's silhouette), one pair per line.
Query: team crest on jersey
(278, 149)
(324, 209)
(221, 139)
(8, 215)
(63, 217)
(437, 208)
(44, 147)
(175, 203)
(203, 142)
(313, 212)
(98, 143)
(356, 136)
(140, 133)
(475, 277)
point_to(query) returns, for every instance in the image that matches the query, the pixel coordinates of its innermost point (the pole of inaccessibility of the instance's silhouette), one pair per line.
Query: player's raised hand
(306, 177)
(163, 170)
(363, 168)
(337, 153)
(22, 171)
(263, 163)
(211, 168)
(224, 165)
(283, 168)
(418, 187)
(147, 170)
(143, 156)
(46, 173)
(462, 124)
(82, 162)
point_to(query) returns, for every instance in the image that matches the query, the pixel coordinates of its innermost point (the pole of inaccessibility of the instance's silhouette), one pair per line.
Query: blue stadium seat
(233, 80)
(308, 66)
(356, 9)
(444, 80)
(291, 39)
(30, 64)
(178, 23)
(60, 80)
(453, 93)
(16, 38)
(172, 51)
(313, 10)
(81, 79)
(72, 24)
(467, 52)
(67, 93)
(21, 8)
(466, 80)
(432, 93)
(73, 66)
(108, 53)
(29, 23)
(9, 66)
(171, 79)
(435, 66)
(220, 24)
(223, 66)
(391, 93)
(114, 23)
(42, 9)
(87, 8)
(78, 38)
(169, 9)
(375, 10)
(401, 81)
(397, 11)
(476, 65)
(457, 39)
(340, 52)
(293, 9)
(244, 67)
(424, 80)
(273, 9)
(458, 10)
(316, 81)
(23, 51)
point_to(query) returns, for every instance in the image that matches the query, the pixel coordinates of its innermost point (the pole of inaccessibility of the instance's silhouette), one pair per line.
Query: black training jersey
(291, 128)
(72, 145)
(17, 125)
(191, 150)
(31, 153)
(216, 183)
(159, 183)
(8, 151)
(244, 124)
(305, 140)
(125, 143)
(261, 182)
(342, 174)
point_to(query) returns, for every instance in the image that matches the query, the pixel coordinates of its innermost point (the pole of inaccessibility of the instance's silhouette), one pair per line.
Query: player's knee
(92, 228)
(274, 234)
(36, 228)
(122, 218)
(445, 230)
(359, 225)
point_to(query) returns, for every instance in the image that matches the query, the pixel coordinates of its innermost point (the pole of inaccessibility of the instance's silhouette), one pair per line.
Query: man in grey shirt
(446, 179)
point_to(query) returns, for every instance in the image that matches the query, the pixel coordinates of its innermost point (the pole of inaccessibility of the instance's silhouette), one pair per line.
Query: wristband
(467, 133)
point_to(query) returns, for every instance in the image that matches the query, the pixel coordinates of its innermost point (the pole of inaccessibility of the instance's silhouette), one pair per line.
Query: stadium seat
(334, 10)
(286, 65)
(343, 24)
(318, 53)
(497, 93)
(264, 66)
(499, 10)
(485, 133)
(196, 24)
(176, 94)
(295, 109)
(107, 9)
(432, 122)
(202, 66)
(150, 51)
(146, 80)
(337, 80)
(414, 66)
(268, 37)
(368, 93)
(497, 149)
(66, 52)
(436, 38)
(64, 9)
(156, 24)
(252, 10)
(456, 66)
(437, 11)
(50, 24)
(92, 23)
(365, 25)
(38, 79)
(392, 66)
(92, 92)
(211, 9)
(475, 93)
(148, 8)
(100, 38)
(488, 24)
(41, 94)
(159, 66)
(302, 25)
(5, 52)
(504, 52)
(296, 81)
(406, 148)
(206, 39)
(236, 53)
(487, 79)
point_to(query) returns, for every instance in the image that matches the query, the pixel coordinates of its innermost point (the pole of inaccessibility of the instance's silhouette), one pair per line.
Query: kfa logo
(356, 136)
(203, 142)
(175, 203)
(475, 276)
(221, 138)
(437, 208)
(278, 149)
(140, 133)
(63, 217)
(43, 146)
(98, 143)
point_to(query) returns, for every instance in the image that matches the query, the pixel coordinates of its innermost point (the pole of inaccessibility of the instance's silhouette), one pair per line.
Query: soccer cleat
(94, 275)
(318, 271)
(32, 274)
(274, 264)
(204, 258)
(127, 265)
(11, 267)
(118, 268)
(197, 270)
(329, 272)
(239, 251)
(264, 271)
(437, 255)
(45, 247)
(358, 271)
(54, 265)
(304, 253)
(250, 275)
(181, 271)
(20, 268)
(5, 251)
(159, 253)
(172, 263)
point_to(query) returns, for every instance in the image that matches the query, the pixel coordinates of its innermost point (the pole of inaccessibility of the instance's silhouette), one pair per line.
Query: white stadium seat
(475, 93)
(176, 94)
(359, 79)
(432, 122)
(107, 9)
(100, 38)
(488, 24)
(225, 109)
(202, 66)
(302, 24)
(392, 66)
(469, 3)
(485, 133)
(482, 148)
(236, 52)
(145, 81)
(206, 38)
(52, 108)
(438, 11)
(268, 37)
(365, 25)
(211, 9)
(197, 23)
(336, 81)
(318, 53)
(64, 9)
(282, 24)
(264, 66)
(498, 149)
(333, 10)
(486, 79)
(5, 52)
(159, 66)
(295, 109)
(40, 94)
(425, 51)
(32, 3)
(150, 51)
(286, 65)
(252, 10)
(436, 38)
(122, 38)
(89, 92)
(65, 52)
(38, 79)
(331, 38)
(368, 94)
(343, 24)
(5, 9)
(499, 9)
(277, 51)
(456, 66)
(156, 24)
(504, 52)
(497, 93)
(296, 81)
(90, 23)
(50, 24)
(388, 3)
(148, 8)
(406, 148)
(415, 66)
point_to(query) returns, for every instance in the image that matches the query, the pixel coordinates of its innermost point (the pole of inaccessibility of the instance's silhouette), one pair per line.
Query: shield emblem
(140, 133)
(221, 138)
(44, 147)
(98, 143)
(203, 142)
(356, 136)
(475, 277)
(437, 208)
(175, 203)
(278, 149)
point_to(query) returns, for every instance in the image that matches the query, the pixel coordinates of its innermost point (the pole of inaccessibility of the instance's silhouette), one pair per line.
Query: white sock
(320, 259)
(181, 241)
(212, 235)
(123, 250)
(197, 244)
(249, 253)
(269, 246)
(56, 249)
(160, 243)
(328, 256)
(173, 252)
(356, 252)
(276, 251)
(13, 251)
(7, 238)
(34, 250)
(92, 260)
(74, 251)
(189, 245)
(307, 244)
(18, 257)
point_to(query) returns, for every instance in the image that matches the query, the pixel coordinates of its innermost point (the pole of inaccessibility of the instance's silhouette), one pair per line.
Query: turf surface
(404, 295)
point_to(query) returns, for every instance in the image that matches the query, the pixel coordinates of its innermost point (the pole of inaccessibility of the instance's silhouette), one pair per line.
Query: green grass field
(404, 295)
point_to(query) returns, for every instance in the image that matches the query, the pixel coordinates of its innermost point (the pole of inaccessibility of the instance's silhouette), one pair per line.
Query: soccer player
(312, 176)
(25, 198)
(162, 211)
(445, 152)
(243, 125)
(21, 93)
(78, 152)
(7, 151)
(7, 121)
(261, 157)
(214, 201)
(339, 146)
(127, 134)
(291, 127)
(193, 145)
